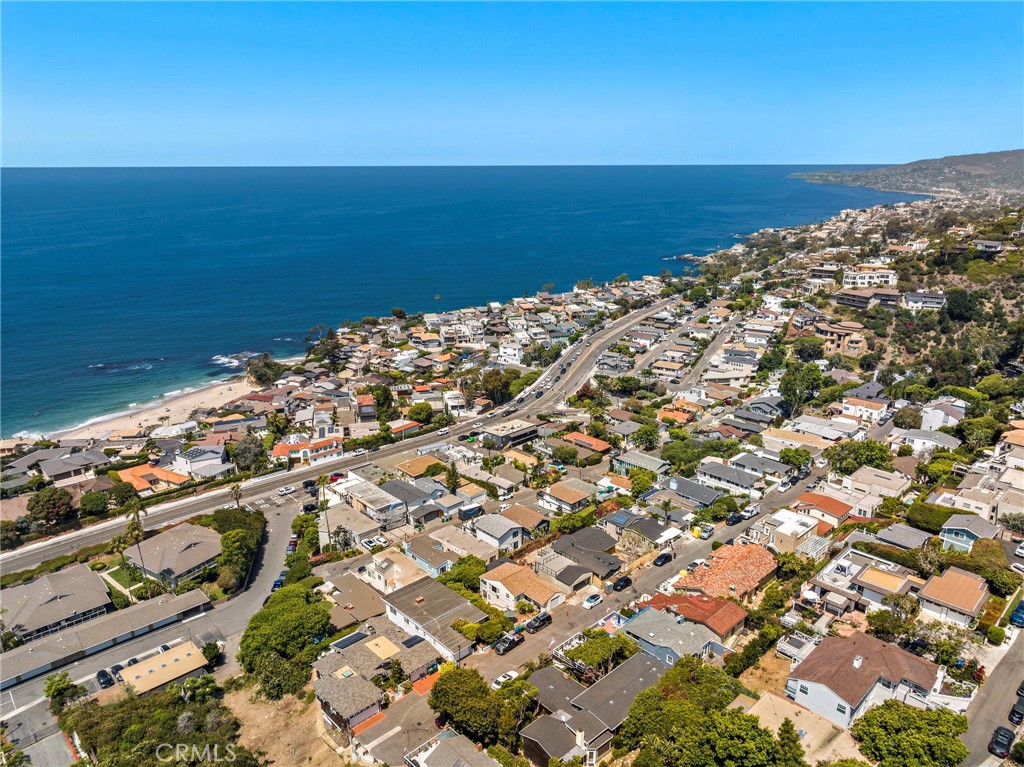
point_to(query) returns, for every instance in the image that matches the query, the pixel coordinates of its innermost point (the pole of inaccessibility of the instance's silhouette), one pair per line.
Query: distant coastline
(208, 262)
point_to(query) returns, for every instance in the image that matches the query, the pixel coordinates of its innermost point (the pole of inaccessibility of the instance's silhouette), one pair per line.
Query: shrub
(996, 635)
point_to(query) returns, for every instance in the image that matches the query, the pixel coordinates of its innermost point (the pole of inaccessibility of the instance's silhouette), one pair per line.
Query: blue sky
(507, 83)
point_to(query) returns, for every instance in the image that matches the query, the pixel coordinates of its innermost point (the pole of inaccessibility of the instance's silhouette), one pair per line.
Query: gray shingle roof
(54, 598)
(177, 550)
(434, 607)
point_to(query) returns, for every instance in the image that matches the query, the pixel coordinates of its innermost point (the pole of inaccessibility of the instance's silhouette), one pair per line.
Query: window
(841, 708)
(803, 689)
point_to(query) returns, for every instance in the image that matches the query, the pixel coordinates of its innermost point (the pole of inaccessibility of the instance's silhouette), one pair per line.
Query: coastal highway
(589, 349)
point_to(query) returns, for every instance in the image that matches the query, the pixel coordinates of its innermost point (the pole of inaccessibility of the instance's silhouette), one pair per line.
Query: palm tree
(321, 483)
(236, 495)
(134, 531)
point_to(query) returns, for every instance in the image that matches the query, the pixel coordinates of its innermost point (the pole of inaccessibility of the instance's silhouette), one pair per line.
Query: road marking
(382, 738)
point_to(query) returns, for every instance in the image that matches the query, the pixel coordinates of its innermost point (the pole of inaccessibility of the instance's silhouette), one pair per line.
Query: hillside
(997, 172)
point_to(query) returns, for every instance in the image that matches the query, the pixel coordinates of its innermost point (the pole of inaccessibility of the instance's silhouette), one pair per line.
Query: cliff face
(993, 172)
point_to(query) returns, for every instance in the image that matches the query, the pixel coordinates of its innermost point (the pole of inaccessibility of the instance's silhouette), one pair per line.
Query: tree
(961, 306)
(795, 457)
(451, 478)
(979, 432)
(134, 533)
(61, 691)
(907, 418)
(466, 571)
(698, 295)
(799, 384)
(212, 653)
(895, 735)
(421, 412)
(647, 437)
(51, 506)
(122, 492)
(235, 491)
(399, 313)
(10, 537)
(847, 457)
(93, 504)
(237, 550)
(262, 370)
(602, 651)
(463, 697)
(565, 454)
(249, 453)
(809, 348)
(790, 752)
(10, 755)
(641, 481)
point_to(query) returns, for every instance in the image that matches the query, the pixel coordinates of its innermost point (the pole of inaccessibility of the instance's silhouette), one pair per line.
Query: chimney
(419, 600)
(857, 661)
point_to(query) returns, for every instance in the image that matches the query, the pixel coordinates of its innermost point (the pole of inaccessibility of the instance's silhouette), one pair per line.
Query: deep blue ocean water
(121, 285)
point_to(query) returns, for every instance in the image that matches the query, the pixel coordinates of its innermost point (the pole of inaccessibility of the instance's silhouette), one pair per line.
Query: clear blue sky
(507, 83)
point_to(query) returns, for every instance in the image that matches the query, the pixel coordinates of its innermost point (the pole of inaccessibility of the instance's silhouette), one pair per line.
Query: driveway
(992, 704)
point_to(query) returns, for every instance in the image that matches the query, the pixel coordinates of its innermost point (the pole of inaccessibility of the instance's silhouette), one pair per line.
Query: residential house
(734, 570)
(845, 676)
(68, 467)
(531, 521)
(723, 617)
(634, 459)
(567, 495)
(956, 596)
(378, 504)
(869, 480)
(823, 507)
(916, 301)
(498, 531)
(427, 609)
(961, 531)
(508, 584)
(923, 441)
(944, 411)
(203, 462)
(177, 554)
(55, 601)
(714, 473)
(667, 637)
(645, 536)
(510, 433)
(148, 479)
(391, 570)
(786, 532)
(585, 727)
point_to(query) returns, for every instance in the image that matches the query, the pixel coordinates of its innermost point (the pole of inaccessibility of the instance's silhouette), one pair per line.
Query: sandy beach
(176, 409)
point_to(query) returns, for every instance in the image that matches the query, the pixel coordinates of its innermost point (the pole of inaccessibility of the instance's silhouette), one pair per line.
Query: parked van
(1017, 712)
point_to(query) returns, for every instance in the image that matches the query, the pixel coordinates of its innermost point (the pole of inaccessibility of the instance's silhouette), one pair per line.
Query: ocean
(123, 285)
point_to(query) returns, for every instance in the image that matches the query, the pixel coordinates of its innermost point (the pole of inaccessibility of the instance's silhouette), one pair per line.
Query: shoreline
(177, 406)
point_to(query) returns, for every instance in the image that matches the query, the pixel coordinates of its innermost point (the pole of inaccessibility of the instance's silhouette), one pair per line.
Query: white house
(508, 584)
(498, 531)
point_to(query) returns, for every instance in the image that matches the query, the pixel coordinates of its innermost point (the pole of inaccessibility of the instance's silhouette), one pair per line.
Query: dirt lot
(768, 674)
(284, 729)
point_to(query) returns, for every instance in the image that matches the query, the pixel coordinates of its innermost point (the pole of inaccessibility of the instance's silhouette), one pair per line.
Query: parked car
(360, 451)
(734, 519)
(508, 643)
(695, 564)
(131, 661)
(1020, 690)
(308, 508)
(537, 622)
(277, 584)
(1017, 567)
(751, 511)
(165, 647)
(1001, 742)
(504, 506)
(662, 559)
(622, 583)
(337, 475)
(592, 601)
(288, 490)
(443, 432)
(538, 394)
(1019, 551)
(1017, 711)
(104, 678)
(811, 485)
(1017, 616)
(116, 670)
(468, 512)
(508, 676)
(706, 532)
(308, 483)
(282, 574)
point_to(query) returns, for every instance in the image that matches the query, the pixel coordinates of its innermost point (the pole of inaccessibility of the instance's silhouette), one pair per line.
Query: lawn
(121, 575)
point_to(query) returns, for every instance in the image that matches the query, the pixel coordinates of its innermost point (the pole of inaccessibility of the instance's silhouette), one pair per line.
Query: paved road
(158, 516)
(23, 706)
(992, 706)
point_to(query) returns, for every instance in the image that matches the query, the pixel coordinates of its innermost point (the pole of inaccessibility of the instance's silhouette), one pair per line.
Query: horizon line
(502, 165)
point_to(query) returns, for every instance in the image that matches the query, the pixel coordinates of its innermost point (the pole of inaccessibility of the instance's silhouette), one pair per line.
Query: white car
(502, 507)
(508, 676)
(360, 451)
(1017, 567)
(1020, 551)
(286, 490)
(592, 601)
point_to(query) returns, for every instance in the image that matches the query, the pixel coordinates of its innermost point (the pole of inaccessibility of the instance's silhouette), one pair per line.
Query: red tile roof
(826, 503)
(732, 570)
(591, 443)
(719, 615)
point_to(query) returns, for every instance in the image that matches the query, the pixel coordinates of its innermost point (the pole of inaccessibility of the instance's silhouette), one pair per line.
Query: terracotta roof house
(956, 596)
(823, 507)
(845, 676)
(734, 570)
(585, 441)
(148, 479)
(722, 616)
